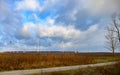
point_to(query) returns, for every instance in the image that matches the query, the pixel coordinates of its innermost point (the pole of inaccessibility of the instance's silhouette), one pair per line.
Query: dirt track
(32, 71)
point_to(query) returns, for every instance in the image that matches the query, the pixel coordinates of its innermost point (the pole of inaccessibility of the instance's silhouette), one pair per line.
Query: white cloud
(96, 7)
(50, 31)
(89, 36)
(27, 29)
(59, 31)
(10, 22)
(50, 21)
(65, 32)
(66, 45)
(72, 14)
(27, 5)
(47, 5)
(92, 29)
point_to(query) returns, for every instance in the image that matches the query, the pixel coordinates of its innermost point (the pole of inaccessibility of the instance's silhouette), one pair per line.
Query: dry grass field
(17, 61)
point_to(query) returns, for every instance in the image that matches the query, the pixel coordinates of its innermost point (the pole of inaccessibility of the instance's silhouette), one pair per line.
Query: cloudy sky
(56, 24)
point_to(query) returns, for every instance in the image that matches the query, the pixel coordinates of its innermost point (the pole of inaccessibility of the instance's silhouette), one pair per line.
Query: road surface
(32, 71)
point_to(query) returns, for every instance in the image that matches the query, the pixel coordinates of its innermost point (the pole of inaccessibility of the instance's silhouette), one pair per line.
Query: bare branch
(113, 34)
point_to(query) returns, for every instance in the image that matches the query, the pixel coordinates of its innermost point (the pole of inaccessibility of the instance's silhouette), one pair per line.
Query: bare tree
(111, 43)
(113, 33)
(116, 25)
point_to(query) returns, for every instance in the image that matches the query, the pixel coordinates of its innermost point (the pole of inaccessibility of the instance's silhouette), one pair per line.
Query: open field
(17, 61)
(55, 69)
(102, 70)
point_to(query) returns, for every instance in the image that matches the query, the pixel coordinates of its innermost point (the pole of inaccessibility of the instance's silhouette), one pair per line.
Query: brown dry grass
(15, 61)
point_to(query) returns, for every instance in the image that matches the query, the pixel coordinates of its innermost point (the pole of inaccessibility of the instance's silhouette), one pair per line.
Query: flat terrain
(21, 61)
(99, 69)
(55, 69)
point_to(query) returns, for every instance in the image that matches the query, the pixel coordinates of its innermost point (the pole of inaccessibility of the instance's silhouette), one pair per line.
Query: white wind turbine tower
(62, 46)
(10, 46)
(76, 50)
(38, 45)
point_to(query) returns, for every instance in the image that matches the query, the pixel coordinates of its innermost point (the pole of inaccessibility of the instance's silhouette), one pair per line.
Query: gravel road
(32, 71)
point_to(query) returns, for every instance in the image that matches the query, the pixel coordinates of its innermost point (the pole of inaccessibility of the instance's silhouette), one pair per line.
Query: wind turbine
(10, 46)
(62, 46)
(38, 41)
(76, 44)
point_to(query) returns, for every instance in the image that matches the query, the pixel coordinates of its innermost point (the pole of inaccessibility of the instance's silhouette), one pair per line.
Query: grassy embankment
(15, 61)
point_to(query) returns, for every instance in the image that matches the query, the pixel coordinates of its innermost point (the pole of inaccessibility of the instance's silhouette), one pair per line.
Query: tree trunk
(113, 53)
